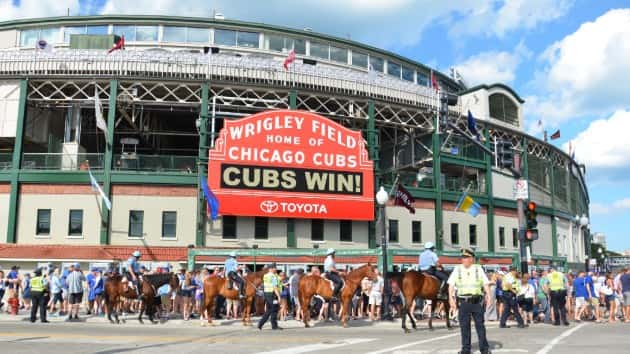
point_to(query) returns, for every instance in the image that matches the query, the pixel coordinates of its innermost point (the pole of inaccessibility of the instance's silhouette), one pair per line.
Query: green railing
(61, 161)
(455, 184)
(457, 146)
(155, 163)
(6, 161)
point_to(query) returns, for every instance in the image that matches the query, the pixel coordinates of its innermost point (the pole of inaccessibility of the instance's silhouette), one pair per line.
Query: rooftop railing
(6, 161)
(61, 161)
(155, 163)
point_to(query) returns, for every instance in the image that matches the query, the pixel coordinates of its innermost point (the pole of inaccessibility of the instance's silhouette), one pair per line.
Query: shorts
(376, 299)
(580, 301)
(231, 302)
(396, 300)
(186, 293)
(76, 298)
(57, 298)
(527, 305)
(594, 301)
(626, 298)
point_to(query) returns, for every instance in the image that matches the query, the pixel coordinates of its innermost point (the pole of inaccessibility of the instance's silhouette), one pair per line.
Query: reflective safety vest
(270, 281)
(37, 284)
(556, 281)
(510, 279)
(469, 281)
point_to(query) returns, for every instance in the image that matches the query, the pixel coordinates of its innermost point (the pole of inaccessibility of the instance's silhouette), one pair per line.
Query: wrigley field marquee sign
(291, 164)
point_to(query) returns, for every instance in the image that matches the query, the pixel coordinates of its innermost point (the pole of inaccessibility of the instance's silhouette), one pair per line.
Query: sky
(567, 58)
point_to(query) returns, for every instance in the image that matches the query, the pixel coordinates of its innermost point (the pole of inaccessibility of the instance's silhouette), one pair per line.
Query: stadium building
(179, 81)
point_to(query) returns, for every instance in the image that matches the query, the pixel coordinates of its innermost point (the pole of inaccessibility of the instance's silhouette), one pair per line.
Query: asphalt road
(20, 336)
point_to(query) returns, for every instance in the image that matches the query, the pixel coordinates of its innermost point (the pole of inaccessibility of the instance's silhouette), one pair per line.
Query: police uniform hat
(38, 272)
(271, 265)
(467, 252)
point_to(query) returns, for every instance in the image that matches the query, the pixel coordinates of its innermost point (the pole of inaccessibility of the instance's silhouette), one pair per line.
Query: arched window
(503, 108)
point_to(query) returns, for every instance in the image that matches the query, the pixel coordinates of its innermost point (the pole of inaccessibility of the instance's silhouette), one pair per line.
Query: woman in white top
(526, 297)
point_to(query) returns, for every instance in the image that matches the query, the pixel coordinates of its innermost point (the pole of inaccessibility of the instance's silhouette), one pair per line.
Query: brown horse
(115, 290)
(214, 286)
(149, 285)
(414, 284)
(310, 285)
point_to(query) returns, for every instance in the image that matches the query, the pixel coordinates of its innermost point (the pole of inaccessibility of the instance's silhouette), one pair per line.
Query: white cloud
(498, 17)
(493, 66)
(614, 207)
(36, 8)
(586, 72)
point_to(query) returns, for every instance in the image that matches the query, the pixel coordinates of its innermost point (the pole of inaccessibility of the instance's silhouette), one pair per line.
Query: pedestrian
(543, 313)
(558, 285)
(582, 295)
(376, 296)
(271, 289)
(284, 296)
(56, 290)
(525, 297)
(471, 282)
(609, 297)
(2, 288)
(98, 289)
(491, 309)
(625, 289)
(39, 290)
(366, 289)
(75, 282)
(26, 292)
(91, 296)
(293, 292)
(511, 287)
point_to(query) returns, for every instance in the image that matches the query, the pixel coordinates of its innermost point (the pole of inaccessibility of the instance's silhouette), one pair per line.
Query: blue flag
(472, 125)
(468, 205)
(211, 200)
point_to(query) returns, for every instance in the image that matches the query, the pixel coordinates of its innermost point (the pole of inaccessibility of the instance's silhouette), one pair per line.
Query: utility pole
(521, 216)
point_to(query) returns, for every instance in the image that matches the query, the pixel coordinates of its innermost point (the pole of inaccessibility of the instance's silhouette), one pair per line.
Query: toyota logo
(269, 206)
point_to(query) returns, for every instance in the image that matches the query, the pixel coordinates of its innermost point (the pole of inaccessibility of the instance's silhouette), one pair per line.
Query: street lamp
(381, 199)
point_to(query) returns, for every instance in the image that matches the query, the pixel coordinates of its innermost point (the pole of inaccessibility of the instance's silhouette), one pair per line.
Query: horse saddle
(332, 283)
(427, 274)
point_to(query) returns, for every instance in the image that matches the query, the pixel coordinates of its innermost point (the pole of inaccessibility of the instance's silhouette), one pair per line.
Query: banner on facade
(292, 164)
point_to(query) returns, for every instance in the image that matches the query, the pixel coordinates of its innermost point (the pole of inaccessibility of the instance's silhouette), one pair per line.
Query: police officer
(231, 271)
(330, 269)
(467, 284)
(271, 288)
(558, 294)
(511, 287)
(39, 296)
(428, 262)
(133, 266)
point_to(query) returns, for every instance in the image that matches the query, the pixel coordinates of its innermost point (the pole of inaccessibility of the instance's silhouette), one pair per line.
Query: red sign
(291, 164)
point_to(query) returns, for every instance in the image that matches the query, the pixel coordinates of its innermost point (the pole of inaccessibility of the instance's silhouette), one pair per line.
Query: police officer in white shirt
(330, 268)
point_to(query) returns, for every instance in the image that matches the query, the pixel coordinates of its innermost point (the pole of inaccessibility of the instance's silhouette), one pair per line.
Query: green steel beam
(109, 152)
(373, 151)
(291, 239)
(15, 166)
(293, 99)
(554, 224)
(461, 162)
(489, 193)
(121, 177)
(202, 167)
(437, 171)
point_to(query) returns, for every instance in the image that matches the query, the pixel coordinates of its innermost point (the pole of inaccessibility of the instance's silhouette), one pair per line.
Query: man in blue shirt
(13, 278)
(582, 294)
(428, 263)
(231, 270)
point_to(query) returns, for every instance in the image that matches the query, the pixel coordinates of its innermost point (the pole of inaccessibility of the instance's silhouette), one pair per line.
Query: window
(169, 224)
(455, 234)
(416, 231)
(68, 31)
(229, 227)
(174, 34)
(198, 35)
(393, 69)
(285, 44)
(502, 237)
(98, 30)
(377, 64)
(224, 37)
(339, 55)
(247, 39)
(146, 33)
(28, 38)
(319, 50)
(317, 230)
(128, 31)
(472, 235)
(423, 79)
(359, 59)
(345, 231)
(50, 35)
(503, 108)
(261, 230)
(43, 222)
(136, 219)
(515, 238)
(75, 223)
(299, 45)
(407, 74)
(393, 231)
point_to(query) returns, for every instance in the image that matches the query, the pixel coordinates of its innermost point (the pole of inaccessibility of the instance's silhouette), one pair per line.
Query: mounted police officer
(428, 262)
(558, 294)
(471, 282)
(39, 295)
(271, 289)
(330, 269)
(231, 271)
(133, 270)
(511, 287)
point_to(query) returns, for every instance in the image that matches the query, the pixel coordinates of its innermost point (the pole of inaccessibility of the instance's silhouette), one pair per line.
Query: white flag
(97, 188)
(98, 110)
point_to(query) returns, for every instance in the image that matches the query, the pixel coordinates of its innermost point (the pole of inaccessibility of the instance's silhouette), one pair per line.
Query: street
(19, 336)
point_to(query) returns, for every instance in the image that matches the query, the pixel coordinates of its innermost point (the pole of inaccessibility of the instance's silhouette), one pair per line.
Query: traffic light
(505, 154)
(446, 100)
(531, 231)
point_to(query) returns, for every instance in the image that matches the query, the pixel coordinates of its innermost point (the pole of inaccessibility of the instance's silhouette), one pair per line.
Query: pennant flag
(212, 202)
(289, 59)
(44, 46)
(472, 126)
(434, 82)
(98, 111)
(119, 43)
(97, 188)
(404, 198)
(468, 205)
(555, 135)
